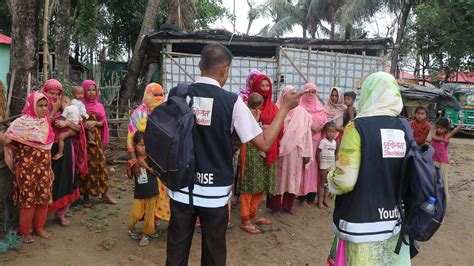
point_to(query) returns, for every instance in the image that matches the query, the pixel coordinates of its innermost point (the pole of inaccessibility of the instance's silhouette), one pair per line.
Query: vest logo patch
(202, 108)
(393, 143)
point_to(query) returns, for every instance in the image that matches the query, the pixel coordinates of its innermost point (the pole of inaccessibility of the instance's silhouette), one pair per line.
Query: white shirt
(327, 154)
(71, 113)
(247, 129)
(81, 107)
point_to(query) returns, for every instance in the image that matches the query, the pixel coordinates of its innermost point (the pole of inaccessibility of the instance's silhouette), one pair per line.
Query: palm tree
(285, 15)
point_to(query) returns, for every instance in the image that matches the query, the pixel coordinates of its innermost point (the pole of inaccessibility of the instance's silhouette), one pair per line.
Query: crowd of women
(41, 184)
(302, 165)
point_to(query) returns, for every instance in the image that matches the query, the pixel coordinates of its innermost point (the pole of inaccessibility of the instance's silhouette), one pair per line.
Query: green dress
(258, 177)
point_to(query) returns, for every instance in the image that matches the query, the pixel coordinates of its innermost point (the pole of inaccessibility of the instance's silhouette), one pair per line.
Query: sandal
(28, 239)
(134, 235)
(108, 200)
(43, 233)
(262, 220)
(144, 241)
(87, 204)
(62, 221)
(251, 229)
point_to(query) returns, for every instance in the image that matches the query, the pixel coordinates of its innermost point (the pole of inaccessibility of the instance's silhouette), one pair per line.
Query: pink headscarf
(335, 111)
(52, 85)
(312, 105)
(93, 106)
(297, 124)
(245, 91)
(29, 129)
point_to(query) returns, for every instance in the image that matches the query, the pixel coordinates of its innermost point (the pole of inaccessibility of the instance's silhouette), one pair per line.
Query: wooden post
(10, 90)
(45, 39)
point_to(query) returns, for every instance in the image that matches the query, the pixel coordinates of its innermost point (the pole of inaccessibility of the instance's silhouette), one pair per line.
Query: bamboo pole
(45, 39)
(10, 90)
(29, 85)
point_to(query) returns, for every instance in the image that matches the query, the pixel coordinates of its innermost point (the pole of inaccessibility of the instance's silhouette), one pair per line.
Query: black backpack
(420, 180)
(169, 141)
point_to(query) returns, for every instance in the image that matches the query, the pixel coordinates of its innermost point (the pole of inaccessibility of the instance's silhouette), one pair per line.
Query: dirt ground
(98, 236)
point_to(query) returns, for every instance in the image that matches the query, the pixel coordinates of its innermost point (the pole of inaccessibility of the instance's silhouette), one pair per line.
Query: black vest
(213, 143)
(369, 212)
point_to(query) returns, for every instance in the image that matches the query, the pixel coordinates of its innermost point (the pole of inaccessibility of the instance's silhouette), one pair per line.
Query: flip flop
(144, 241)
(28, 240)
(43, 234)
(109, 200)
(62, 221)
(263, 221)
(251, 229)
(134, 235)
(87, 204)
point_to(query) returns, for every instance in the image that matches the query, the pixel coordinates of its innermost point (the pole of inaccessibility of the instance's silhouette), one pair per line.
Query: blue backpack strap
(409, 132)
(181, 90)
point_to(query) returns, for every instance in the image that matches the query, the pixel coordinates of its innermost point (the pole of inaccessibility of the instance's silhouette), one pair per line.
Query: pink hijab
(245, 91)
(93, 106)
(336, 111)
(29, 129)
(297, 124)
(312, 105)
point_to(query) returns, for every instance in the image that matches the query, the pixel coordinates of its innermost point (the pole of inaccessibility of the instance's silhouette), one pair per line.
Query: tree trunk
(63, 32)
(333, 19)
(129, 83)
(406, 7)
(45, 39)
(24, 49)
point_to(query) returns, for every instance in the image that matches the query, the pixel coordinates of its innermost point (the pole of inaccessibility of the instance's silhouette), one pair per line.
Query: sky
(377, 25)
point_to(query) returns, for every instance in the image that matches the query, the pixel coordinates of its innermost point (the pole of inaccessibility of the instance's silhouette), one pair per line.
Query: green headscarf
(380, 95)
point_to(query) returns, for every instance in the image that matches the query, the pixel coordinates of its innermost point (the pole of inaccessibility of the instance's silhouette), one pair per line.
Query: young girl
(146, 193)
(440, 140)
(421, 127)
(30, 161)
(327, 160)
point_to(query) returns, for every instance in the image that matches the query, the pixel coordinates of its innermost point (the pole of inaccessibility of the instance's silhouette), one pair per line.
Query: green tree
(5, 19)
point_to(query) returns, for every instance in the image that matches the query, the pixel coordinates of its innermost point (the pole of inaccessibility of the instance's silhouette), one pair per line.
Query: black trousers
(181, 231)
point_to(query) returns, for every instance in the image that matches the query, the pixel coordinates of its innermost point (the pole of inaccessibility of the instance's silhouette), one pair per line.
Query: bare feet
(325, 203)
(57, 156)
(276, 214)
(62, 221)
(91, 142)
(144, 241)
(87, 202)
(42, 233)
(108, 199)
(292, 212)
(304, 203)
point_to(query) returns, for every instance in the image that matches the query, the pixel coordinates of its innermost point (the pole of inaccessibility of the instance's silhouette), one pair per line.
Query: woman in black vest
(366, 177)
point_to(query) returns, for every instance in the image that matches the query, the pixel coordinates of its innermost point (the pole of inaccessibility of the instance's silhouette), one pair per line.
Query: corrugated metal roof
(5, 39)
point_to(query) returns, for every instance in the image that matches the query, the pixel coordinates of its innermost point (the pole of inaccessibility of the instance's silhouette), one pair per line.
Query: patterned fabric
(94, 106)
(33, 177)
(96, 181)
(421, 129)
(29, 129)
(162, 209)
(380, 95)
(268, 112)
(257, 177)
(375, 253)
(140, 114)
(245, 91)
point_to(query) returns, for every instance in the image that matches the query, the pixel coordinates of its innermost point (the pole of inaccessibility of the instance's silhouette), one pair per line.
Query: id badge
(143, 178)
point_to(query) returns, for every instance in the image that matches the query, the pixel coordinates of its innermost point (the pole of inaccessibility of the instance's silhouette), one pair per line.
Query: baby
(78, 93)
(255, 102)
(70, 113)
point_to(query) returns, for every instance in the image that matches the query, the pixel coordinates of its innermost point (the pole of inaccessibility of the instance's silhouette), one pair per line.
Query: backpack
(420, 179)
(169, 141)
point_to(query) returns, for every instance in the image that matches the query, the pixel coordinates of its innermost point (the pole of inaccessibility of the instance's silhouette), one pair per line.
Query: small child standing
(78, 94)
(439, 140)
(327, 159)
(350, 113)
(421, 127)
(70, 113)
(145, 195)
